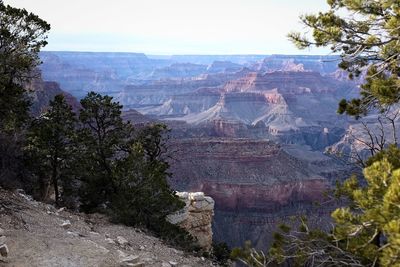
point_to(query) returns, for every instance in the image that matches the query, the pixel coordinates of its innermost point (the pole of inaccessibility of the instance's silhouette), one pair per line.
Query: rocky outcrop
(196, 217)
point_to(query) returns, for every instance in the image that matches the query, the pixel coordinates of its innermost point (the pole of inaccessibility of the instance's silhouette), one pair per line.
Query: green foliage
(144, 196)
(122, 171)
(221, 253)
(391, 154)
(369, 228)
(22, 35)
(366, 35)
(50, 146)
(101, 138)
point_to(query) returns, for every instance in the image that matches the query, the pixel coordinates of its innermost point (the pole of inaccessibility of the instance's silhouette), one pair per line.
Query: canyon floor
(38, 234)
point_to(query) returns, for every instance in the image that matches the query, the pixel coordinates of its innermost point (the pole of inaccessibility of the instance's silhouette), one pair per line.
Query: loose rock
(122, 241)
(66, 224)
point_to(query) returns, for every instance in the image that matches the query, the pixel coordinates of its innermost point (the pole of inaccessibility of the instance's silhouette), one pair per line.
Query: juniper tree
(50, 145)
(144, 197)
(102, 136)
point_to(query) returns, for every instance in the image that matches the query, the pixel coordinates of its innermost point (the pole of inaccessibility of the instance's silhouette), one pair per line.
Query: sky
(166, 27)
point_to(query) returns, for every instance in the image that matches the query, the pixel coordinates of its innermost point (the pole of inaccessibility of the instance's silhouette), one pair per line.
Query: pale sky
(168, 27)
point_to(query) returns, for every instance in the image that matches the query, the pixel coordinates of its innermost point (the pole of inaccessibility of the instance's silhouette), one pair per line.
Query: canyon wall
(256, 185)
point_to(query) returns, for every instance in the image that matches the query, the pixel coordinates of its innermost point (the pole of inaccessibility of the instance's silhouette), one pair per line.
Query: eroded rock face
(196, 217)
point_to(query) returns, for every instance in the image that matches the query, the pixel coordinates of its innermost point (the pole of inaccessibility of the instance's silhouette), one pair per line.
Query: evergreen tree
(51, 146)
(144, 195)
(22, 35)
(366, 34)
(102, 137)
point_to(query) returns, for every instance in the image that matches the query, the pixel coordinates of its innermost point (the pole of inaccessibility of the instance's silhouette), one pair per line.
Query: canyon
(248, 131)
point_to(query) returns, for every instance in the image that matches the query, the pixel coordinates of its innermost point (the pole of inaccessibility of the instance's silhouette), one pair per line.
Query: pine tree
(366, 34)
(51, 145)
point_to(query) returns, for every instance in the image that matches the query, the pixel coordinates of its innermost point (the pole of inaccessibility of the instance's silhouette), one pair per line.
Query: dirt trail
(40, 235)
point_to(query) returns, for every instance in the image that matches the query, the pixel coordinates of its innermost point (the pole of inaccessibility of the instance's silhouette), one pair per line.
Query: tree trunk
(54, 179)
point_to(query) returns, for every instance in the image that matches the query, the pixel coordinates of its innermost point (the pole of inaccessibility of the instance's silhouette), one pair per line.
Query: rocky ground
(38, 234)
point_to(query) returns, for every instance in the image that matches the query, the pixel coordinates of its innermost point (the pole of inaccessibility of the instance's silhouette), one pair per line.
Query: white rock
(183, 195)
(173, 263)
(122, 241)
(130, 259)
(141, 247)
(110, 241)
(75, 234)
(93, 233)
(165, 264)
(66, 224)
(178, 217)
(4, 250)
(202, 205)
(61, 209)
(196, 196)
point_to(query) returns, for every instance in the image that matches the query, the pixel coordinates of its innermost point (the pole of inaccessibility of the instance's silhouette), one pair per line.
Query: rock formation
(196, 217)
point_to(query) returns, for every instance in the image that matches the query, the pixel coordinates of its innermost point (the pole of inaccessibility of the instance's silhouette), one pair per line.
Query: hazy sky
(174, 26)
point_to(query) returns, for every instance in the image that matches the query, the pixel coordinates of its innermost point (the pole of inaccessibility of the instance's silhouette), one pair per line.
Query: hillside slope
(36, 236)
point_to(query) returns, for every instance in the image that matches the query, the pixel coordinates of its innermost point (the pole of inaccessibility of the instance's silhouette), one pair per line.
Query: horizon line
(184, 54)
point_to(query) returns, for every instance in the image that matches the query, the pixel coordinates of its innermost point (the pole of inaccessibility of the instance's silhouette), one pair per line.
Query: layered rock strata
(196, 217)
